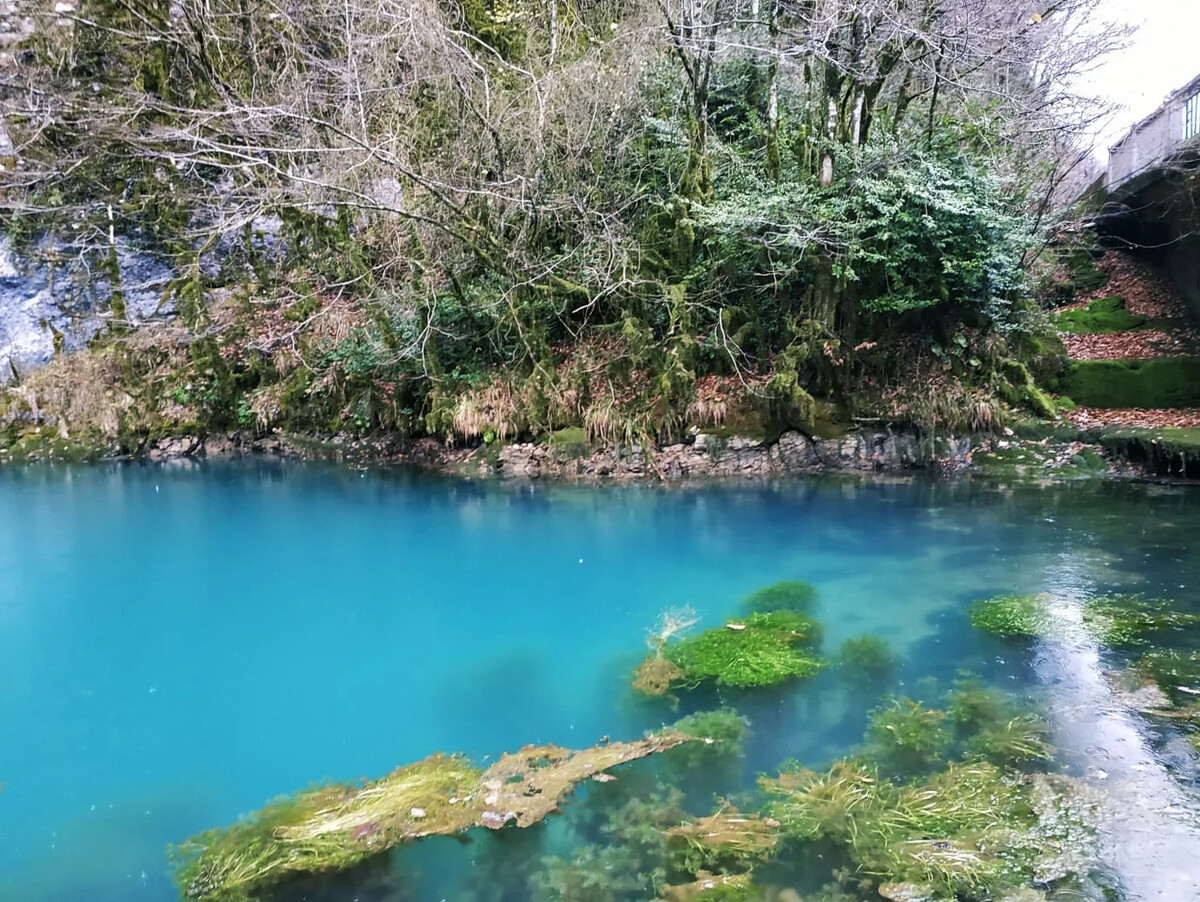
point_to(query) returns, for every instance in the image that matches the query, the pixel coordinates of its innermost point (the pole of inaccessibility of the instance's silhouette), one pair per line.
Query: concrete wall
(1151, 140)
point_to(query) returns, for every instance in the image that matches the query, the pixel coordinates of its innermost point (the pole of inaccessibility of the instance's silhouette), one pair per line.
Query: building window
(1191, 117)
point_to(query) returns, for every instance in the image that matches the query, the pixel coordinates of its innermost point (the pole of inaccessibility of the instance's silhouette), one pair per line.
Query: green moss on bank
(1101, 317)
(1166, 382)
(1163, 451)
(1030, 460)
(31, 445)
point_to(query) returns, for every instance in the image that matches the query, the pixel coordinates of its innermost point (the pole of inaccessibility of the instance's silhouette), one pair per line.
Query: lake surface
(179, 645)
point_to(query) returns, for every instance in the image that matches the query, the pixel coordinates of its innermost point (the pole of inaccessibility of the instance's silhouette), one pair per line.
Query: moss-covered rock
(1101, 317)
(336, 827)
(1162, 451)
(1163, 382)
(1036, 460)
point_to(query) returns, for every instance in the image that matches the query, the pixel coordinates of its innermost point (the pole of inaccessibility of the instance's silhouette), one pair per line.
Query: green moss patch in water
(867, 660)
(1177, 673)
(992, 728)
(1163, 382)
(759, 650)
(904, 737)
(788, 595)
(336, 827)
(1113, 620)
(721, 735)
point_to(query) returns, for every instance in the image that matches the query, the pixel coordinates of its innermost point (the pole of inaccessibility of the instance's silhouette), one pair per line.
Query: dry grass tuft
(77, 393)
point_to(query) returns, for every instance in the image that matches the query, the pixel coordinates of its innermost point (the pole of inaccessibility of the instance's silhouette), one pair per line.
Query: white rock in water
(494, 820)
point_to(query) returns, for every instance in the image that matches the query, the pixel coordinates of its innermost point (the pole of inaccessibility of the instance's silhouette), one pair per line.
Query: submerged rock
(336, 827)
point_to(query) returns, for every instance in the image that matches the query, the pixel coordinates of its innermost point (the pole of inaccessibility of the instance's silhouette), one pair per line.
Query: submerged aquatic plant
(788, 595)
(724, 841)
(867, 660)
(1113, 620)
(628, 855)
(905, 738)
(721, 736)
(1011, 616)
(762, 650)
(657, 673)
(967, 831)
(992, 728)
(333, 828)
(1128, 619)
(1177, 673)
(713, 888)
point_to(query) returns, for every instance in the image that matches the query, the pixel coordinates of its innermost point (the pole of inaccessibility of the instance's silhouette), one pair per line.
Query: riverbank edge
(1035, 451)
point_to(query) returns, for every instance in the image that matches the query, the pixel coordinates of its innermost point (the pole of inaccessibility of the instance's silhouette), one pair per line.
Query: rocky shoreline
(705, 457)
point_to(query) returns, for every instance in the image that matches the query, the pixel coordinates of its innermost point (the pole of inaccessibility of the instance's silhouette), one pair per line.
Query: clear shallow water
(178, 646)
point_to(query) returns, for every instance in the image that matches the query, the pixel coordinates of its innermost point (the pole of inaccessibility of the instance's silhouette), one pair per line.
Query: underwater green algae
(905, 737)
(941, 802)
(788, 595)
(1177, 673)
(969, 830)
(991, 727)
(1112, 620)
(867, 660)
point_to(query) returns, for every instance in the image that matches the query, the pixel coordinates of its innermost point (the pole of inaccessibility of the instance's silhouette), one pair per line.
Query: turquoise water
(177, 646)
